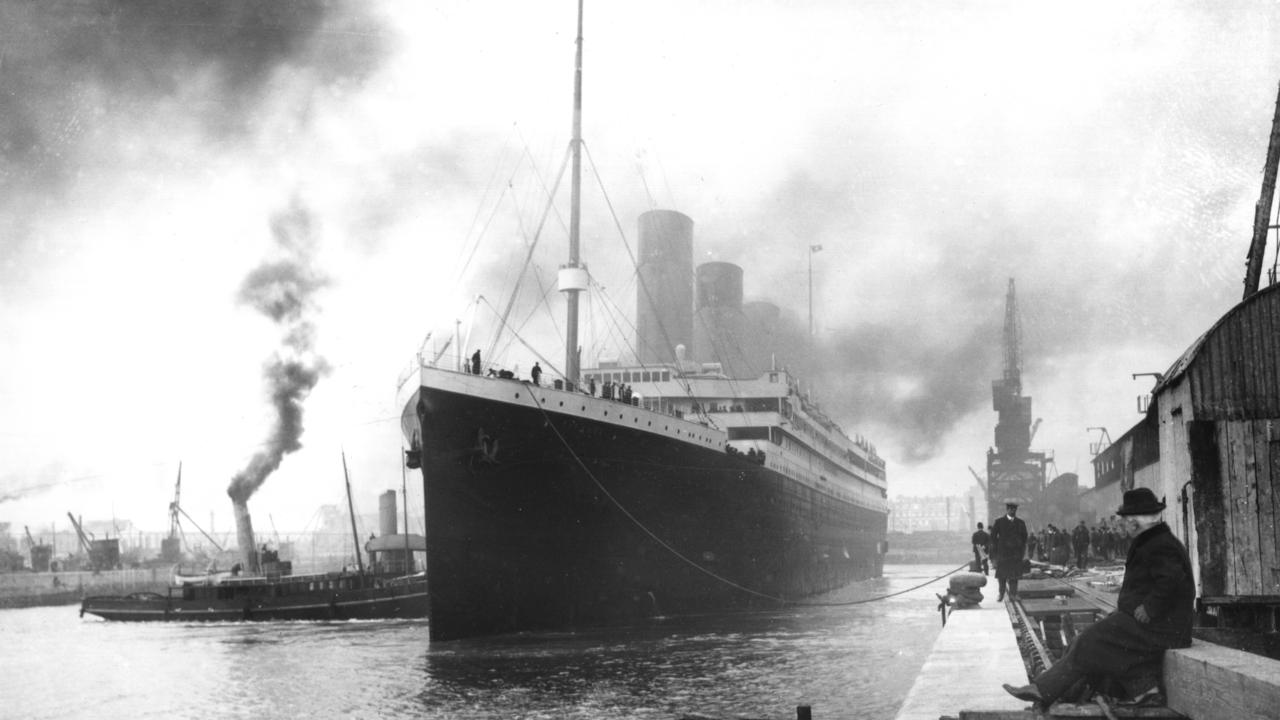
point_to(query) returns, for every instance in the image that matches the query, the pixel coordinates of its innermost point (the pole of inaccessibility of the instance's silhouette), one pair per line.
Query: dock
(974, 654)
(981, 648)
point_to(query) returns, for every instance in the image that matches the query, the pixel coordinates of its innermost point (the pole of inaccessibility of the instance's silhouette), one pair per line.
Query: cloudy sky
(210, 211)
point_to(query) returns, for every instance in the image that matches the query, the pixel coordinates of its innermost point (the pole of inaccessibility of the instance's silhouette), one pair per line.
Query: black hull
(408, 600)
(553, 520)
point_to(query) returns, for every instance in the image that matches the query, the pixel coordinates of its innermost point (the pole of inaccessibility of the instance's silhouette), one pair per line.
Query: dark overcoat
(1118, 647)
(1157, 576)
(1008, 545)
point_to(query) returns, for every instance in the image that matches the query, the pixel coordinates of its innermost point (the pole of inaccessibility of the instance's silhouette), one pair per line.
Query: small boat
(389, 588)
(321, 596)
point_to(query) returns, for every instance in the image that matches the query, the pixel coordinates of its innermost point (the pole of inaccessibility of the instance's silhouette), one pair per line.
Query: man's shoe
(1029, 693)
(1001, 598)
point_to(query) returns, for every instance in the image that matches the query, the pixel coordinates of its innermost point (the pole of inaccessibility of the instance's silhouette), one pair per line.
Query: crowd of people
(1106, 541)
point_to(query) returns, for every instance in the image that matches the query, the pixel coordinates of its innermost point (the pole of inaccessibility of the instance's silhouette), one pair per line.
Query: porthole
(517, 396)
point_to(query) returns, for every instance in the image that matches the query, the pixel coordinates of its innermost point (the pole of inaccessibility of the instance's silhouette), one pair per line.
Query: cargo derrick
(1013, 470)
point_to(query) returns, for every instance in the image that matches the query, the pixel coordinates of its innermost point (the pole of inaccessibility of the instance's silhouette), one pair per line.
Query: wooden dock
(976, 652)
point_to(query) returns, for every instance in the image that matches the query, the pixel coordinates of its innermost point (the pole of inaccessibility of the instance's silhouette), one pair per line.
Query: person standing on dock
(1080, 543)
(1154, 612)
(980, 541)
(1009, 545)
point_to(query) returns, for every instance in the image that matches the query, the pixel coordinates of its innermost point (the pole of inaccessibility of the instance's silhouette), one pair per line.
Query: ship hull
(542, 518)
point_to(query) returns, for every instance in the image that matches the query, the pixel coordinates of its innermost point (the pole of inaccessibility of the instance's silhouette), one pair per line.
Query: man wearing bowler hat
(1153, 613)
(1008, 545)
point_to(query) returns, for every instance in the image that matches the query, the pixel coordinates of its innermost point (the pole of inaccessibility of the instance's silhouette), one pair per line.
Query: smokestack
(387, 513)
(244, 535)
(664, 293)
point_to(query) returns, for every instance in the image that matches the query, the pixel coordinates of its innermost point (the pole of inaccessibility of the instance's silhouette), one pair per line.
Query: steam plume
(282, 290)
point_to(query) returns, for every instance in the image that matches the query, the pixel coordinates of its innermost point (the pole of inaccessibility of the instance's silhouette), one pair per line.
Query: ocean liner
(696, 477)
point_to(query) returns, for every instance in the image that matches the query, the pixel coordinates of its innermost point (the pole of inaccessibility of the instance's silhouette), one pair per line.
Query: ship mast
(573, 275)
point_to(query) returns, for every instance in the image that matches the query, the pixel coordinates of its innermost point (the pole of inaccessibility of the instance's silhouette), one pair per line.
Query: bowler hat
(1139, 501)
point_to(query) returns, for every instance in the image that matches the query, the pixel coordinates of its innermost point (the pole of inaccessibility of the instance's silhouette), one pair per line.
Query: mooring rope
(683, 558)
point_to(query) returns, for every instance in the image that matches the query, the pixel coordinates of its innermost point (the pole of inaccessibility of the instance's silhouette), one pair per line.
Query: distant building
(931, 512)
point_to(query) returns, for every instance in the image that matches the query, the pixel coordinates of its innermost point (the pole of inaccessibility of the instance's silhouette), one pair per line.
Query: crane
(31, 542)
(1034, 427)
(84, 540)
(978, 479)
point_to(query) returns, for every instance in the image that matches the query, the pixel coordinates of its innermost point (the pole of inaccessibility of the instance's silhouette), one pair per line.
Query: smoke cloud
(76, 79)
(282, 290)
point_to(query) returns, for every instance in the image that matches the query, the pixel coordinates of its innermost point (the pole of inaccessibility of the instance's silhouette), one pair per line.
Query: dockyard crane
(978, 480)
(31, 542)
(84, 540)
(1034, 427)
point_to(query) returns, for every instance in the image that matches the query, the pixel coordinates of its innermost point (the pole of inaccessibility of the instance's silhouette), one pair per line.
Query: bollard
(803, 713)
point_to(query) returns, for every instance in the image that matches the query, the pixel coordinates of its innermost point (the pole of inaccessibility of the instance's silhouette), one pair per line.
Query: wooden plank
(1250, 566)
(1242, 403)
(1270, 391)
(1212, 681)
(1227, 453)
(1273, 352)
(1268, 552)
(1247, 510)
(1208, 504)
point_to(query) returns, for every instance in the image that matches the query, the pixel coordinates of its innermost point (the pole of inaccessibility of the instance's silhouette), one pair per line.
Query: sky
(228, 228)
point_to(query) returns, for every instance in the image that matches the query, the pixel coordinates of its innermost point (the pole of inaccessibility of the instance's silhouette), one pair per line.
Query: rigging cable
(683, 558)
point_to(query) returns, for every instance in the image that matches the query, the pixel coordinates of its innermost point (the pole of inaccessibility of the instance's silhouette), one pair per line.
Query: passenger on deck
(1153, 613)
(475, 363)
(536, 372)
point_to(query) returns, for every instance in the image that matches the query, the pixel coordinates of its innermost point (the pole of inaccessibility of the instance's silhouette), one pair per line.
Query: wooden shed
(1219, 428)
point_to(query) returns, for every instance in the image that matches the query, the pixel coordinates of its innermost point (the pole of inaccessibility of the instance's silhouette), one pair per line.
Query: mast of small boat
(404, 491)
(573, 275)
(351, 508)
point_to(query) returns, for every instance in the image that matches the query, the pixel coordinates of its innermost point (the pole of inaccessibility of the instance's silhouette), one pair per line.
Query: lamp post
(813, 249)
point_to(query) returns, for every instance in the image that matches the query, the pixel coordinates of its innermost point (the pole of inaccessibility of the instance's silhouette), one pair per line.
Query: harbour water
(844, 661)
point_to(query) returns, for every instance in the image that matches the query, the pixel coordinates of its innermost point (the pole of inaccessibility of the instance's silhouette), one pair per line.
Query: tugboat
(389, 588)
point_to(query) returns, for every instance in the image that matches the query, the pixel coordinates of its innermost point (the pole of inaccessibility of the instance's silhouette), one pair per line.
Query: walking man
(1153, 613)
(1009, 545)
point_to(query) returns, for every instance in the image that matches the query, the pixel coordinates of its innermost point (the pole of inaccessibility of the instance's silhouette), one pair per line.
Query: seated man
(1153, 613)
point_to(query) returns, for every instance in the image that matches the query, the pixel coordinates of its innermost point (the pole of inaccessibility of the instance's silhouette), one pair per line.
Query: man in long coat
(1008, 546)
(1154, 612)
